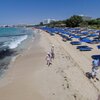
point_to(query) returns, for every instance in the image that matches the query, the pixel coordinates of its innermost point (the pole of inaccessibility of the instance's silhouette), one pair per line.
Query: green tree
(60, 23)
(84, 24)
(41, 23)
(74, 21)
(98, 19)
(93, 22)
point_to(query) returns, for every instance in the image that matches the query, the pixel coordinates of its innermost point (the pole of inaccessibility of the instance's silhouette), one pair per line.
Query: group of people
(95, 63)
(50, 56)
(95, 68)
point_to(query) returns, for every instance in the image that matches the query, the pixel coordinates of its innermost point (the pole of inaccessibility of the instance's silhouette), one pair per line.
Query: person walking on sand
(95, 67)
(52, 52)
(48, 59)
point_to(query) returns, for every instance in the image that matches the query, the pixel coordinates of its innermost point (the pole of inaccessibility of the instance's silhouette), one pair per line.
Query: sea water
(14, 39)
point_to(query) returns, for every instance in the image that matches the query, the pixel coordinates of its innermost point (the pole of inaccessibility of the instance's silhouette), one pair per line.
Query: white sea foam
(14, 42)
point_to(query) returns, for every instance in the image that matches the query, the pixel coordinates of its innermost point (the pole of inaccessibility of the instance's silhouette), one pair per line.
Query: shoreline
(30, 78)
(11, 81)
(28, 42)
(12, 54)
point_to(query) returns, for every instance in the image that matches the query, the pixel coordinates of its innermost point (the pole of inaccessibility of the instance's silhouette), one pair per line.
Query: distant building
(47, 21)
(85, 17)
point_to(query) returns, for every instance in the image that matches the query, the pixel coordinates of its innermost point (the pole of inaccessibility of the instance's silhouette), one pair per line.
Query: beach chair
(75, 43)
(85, 49)
(98, 46)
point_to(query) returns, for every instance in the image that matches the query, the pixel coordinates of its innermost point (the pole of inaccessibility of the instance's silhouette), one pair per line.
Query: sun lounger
(86, 48)
(75, 43)
(78, 47)
(98, 46)
(87, 40)
(95, 56)
(95, 41)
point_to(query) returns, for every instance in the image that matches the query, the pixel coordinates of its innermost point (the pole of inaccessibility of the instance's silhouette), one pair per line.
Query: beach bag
(88, 75)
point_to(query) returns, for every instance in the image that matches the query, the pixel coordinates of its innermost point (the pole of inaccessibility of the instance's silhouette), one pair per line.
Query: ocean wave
(12, 35)
(15, 41)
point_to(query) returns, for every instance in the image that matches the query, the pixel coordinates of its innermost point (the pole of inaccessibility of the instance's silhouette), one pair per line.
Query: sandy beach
(29, 78)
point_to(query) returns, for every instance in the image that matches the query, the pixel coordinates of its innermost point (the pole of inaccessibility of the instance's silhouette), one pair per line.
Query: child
(48, 59)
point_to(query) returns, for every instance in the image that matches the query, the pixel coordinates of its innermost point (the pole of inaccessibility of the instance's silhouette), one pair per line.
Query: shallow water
(16, 40)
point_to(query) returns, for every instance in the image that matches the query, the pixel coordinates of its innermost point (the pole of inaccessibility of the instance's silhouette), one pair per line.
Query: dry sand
(29, 78)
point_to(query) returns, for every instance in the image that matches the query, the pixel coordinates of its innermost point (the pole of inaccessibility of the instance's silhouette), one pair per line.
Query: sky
(35, 11)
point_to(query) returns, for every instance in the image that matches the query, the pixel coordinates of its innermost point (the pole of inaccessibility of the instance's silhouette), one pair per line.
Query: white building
(85, 17)
(47, 21)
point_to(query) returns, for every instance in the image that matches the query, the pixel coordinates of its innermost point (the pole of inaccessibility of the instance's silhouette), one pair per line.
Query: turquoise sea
(12, 37)
(15, 40)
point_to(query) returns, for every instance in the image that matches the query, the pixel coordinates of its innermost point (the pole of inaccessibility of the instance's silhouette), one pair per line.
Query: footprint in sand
(98, 97)
(64, 86)
(53, 93)
(75, 97)
(63, 57)
(66, 82)
(67, 57)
